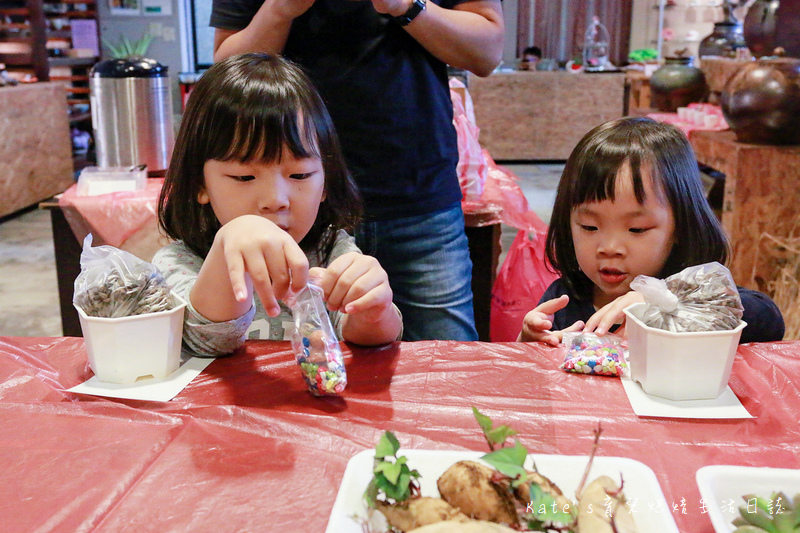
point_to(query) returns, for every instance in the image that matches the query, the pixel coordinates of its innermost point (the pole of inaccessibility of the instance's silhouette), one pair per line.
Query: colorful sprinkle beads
(315, 345)
(588, 353)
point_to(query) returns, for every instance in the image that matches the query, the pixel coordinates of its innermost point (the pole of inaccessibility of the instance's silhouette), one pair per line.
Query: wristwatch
(417, 7)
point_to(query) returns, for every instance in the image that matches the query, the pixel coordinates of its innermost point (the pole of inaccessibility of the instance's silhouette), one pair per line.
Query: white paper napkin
(727, 405)
(152, 389)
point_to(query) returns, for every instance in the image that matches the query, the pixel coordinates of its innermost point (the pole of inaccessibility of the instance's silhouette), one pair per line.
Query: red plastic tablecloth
(245, 447)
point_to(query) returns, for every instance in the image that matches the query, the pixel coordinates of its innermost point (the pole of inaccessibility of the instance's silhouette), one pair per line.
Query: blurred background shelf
(53, 40)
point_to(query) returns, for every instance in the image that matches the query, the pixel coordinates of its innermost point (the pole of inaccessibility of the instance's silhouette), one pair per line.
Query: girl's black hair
(590, 175)
(247, 108)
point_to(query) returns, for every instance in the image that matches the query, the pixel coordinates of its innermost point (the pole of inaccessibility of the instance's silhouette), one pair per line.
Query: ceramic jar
(773, 23)
(677, 84)
(761, 102)
(726, 38)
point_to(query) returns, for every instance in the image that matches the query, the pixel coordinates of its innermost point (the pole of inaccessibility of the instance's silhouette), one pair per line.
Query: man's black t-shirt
(388, 97)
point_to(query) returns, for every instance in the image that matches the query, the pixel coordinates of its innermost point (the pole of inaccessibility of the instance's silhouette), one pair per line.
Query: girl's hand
(611, 313)
(259, 256)
(357, 285)
(354, 283)
(537, 323)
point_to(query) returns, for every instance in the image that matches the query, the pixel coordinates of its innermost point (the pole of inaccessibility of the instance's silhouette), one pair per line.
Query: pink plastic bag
(522, 280)
(472, 165)
(524, 276)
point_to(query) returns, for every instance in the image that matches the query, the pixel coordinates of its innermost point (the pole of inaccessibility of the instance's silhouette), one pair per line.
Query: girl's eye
(302, 176)
(586, 227)
(638, 230)
(246, 177)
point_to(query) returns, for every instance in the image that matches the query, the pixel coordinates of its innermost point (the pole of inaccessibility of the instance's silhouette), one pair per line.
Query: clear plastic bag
(315, 345)
(698, 298)
(114, 283)
(589, 353)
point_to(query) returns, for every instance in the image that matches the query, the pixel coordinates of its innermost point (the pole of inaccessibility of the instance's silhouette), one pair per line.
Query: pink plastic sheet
(111, 218)
(245, 447)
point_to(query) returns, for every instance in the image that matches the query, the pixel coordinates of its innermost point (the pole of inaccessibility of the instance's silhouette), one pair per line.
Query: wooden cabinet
(760, 202)
(538, 115)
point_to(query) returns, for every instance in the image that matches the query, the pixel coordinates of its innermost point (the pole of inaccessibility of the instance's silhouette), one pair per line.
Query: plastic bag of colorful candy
(315, 345)
(589, 353)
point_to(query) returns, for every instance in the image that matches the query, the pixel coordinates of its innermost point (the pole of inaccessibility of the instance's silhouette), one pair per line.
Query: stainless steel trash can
(132, 113)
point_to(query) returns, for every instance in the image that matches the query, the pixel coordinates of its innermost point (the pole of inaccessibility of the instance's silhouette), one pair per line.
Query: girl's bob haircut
(247, 108)
(652, 149)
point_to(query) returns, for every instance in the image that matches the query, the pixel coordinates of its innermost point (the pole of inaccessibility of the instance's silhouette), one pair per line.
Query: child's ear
(202, 196)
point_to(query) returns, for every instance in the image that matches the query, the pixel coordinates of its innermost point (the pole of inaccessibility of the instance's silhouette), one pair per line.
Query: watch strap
(417, 7)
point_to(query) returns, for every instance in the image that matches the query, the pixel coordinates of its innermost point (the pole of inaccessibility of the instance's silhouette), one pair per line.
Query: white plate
(722, 484)
(651, 512)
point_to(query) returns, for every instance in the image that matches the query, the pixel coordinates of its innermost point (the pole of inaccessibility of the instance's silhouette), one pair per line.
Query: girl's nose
(273, 196)
(612, 246)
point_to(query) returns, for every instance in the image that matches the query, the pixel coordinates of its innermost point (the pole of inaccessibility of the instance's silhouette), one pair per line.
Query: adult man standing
(380, 66)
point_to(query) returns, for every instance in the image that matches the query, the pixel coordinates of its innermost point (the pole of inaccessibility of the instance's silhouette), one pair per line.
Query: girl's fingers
(297, 264)
(353, 276)
(236, 271)
(577, 326)
(316, 275)
(264, 276)
(551, 306)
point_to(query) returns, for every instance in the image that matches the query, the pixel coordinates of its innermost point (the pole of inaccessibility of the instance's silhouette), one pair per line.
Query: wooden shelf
(72, 61)
(30, 25)
(21, 11)
(79, 117)
(70, 78)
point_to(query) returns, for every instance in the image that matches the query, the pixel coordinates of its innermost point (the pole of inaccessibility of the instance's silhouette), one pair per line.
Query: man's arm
(267, 32)
(469, 36)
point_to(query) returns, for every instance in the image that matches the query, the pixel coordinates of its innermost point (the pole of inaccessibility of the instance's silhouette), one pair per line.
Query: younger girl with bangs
(630, 202)
(258, 198)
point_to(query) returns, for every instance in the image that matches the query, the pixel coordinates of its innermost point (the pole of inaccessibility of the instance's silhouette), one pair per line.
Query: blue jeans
(427, 260)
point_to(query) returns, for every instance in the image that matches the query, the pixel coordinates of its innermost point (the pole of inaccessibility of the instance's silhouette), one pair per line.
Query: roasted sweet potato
(602, 509)
(418, 512)
(469, 487)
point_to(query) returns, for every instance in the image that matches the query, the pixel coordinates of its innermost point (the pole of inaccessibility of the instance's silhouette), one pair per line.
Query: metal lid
(129, 67)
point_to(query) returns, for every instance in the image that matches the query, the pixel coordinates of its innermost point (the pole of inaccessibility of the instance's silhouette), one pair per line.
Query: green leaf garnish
(392, 477)
(510, 461)
(387, 445)
(545, 508)
(493, 435)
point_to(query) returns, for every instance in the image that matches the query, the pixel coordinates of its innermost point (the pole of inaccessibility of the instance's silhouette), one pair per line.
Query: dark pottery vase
(770, 24)
(726, 38)
(677, 84)
(761, 102)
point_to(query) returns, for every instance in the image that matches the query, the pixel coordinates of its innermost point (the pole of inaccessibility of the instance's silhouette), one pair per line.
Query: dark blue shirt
(764, 319)
(388, 97)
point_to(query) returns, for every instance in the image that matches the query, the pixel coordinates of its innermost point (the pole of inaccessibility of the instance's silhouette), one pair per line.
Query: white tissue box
(94, 181)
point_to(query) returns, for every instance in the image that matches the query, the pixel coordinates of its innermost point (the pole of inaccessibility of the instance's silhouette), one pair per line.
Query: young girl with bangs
(630, 202)
(259, 200)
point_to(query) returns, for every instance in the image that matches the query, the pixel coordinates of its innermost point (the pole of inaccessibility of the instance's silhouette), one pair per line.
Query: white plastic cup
(122, 350)
(682, 113)
(679, 366)
(710, 121)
